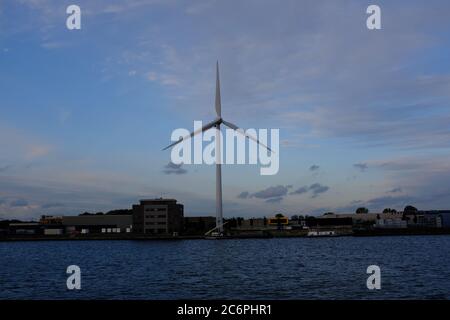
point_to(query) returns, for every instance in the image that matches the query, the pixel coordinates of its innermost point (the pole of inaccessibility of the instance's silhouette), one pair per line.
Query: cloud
(300, 190)
(281, 70)
(277, 193)
(172, 168)
(318, 189)
(19, 203)
(296, 75)
(399, 165)
(314, 167)
(395, 190)
(271, 192)
(315, 189)
(274, 200)
(361, 166)
(243, 195)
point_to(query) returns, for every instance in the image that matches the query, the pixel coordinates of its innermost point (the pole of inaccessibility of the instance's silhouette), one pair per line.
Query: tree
(389, 210)
(279, 216)
(294, 217)
(328, 213)
(410, 210)
(362, 210)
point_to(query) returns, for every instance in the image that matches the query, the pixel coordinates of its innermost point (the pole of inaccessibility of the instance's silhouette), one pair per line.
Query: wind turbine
(216, 123)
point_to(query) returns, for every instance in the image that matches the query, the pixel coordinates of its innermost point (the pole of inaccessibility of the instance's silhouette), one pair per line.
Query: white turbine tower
(216, 123)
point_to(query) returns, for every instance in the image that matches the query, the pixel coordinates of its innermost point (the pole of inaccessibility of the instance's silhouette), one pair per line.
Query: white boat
(321, 234)
(215, 236)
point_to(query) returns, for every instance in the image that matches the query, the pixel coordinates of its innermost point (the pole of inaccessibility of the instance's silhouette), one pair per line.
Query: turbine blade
(218, 100)
(241, 131)
(202, 129)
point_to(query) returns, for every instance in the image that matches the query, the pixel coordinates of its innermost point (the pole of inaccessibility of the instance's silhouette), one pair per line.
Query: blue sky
(363, 115)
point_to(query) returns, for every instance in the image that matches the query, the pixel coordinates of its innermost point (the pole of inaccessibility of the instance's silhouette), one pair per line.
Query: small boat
(321, 234)
(216, 236)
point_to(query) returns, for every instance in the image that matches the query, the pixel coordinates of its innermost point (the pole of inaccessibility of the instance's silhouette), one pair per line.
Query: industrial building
(25, 228)
(103, 223)
(158, 216)
(428, 219)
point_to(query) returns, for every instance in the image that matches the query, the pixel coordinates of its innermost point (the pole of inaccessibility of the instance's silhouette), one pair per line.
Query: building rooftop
(158, 200)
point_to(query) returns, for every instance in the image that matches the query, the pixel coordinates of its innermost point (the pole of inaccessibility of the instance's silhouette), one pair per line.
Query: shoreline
(138, 237)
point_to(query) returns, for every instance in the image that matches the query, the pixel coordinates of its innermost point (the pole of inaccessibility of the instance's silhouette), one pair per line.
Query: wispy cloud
(361, 166)
(271, 192)
(315, 189)
(172, 168)
(395, 190)
(277, 193)
(19, 203)
(300, 190)
(324, 88)
(243, 195)
(318, 189)
(274, 200)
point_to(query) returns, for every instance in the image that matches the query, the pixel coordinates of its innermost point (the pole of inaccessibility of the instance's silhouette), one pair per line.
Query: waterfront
(412, 267)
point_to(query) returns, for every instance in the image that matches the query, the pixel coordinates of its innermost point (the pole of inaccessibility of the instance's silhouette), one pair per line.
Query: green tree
(362, 210)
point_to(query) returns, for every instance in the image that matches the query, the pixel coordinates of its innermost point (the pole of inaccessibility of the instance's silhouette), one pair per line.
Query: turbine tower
(216, 123)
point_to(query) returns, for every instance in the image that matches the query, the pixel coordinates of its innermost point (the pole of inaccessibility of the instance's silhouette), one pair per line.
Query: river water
(412, 267)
